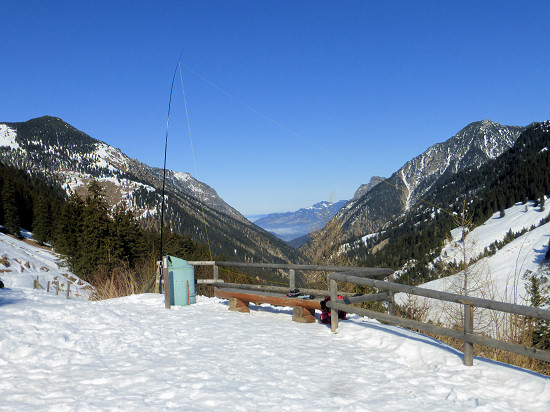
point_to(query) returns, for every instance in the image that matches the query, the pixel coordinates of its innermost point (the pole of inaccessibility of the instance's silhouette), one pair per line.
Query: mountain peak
(63, 156)
(364, 188)
(470, 147)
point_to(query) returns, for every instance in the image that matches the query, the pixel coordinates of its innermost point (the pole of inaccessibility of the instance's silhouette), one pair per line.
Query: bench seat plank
(275, 299)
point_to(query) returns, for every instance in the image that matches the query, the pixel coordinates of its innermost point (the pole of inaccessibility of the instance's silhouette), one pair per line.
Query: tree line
(94, 239)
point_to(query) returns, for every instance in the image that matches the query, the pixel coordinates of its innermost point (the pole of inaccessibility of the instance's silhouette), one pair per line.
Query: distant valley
(291, 225)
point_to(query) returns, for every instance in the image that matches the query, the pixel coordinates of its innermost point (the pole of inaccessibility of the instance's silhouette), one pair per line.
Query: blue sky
(289, 102)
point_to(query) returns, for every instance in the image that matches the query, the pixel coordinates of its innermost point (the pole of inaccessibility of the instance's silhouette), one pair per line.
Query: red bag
(325, 311)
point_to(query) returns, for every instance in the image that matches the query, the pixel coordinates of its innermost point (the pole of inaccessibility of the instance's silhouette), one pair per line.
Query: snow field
(132, 354)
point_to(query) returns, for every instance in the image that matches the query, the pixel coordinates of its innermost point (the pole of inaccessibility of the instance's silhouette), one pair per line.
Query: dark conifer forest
(94, 239)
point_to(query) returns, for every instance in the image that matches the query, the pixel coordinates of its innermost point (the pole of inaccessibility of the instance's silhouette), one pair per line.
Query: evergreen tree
(68, 229)
(11, 214)
(95, 245)
(128, 238)
(2, 219)
(538, 291)
(42, 223)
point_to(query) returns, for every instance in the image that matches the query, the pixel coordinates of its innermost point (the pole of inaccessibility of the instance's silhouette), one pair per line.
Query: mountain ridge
(289, 226)
(470, 147)
(62, 155)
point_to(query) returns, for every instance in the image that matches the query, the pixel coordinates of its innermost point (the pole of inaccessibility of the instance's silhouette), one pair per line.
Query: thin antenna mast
(164, 168)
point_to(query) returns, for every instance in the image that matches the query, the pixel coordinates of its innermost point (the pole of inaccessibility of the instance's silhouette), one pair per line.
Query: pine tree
(538, 291)
(95, 245)
(11, 214)
(128, 238)
(67, 230)
(42, 222)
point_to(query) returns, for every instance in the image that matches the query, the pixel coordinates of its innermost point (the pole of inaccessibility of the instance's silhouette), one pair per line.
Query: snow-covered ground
(21, 263)
(507, 266)
(132, 354)
(497, 277)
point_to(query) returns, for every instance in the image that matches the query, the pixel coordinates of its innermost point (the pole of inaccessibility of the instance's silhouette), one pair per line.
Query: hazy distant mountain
(471, 147)
(64, 156)
(291, 225)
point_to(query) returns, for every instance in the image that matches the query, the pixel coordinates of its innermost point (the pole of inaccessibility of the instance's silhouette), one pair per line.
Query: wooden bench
(239, 299)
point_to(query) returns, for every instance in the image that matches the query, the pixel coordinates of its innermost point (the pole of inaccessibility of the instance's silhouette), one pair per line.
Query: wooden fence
(55, 284)
(467, 335)
(363, 277)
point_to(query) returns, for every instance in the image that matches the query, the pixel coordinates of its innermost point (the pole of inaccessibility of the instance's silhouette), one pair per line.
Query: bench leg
(303, 315)
(238, 305)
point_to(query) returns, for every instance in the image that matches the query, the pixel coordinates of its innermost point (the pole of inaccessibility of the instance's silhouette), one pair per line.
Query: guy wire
(301, 137)
(195, 163)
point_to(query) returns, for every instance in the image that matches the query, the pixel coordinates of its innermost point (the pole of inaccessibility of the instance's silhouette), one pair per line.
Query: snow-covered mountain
(50, 147)
(291, 225)
(519, 238)
(57, 152)
(471, 147)
(131, 353)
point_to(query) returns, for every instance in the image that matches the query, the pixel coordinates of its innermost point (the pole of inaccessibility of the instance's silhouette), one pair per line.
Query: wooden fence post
(48, 290)
(35, 285)
(391, 304)
(333, 289)
(216, 273)
(57, 287)
(292, 278)
(468, 328)
(68, 289)
(166, 284)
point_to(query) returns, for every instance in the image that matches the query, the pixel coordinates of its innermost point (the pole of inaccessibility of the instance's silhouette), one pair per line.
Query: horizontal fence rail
(445, 296)
(374, 272)
(275, 289)
(467, 336)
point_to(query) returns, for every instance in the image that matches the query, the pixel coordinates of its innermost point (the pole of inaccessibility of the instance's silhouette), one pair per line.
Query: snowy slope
(22, 262)
(132, 354)
(496, 277)
(506, 267)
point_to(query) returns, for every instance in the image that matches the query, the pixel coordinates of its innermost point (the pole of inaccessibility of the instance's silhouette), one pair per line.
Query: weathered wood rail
(241, 295)
(364, 277)
(467, 335)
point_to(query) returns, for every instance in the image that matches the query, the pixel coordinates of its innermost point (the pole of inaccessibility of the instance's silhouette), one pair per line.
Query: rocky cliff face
(363, 189)
(471, 147)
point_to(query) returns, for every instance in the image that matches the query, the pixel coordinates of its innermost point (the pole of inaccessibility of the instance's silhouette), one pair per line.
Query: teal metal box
(181, 277)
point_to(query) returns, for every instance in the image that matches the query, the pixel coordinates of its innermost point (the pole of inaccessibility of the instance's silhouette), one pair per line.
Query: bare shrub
(414, 308)
(324, 249)
(120, 281)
